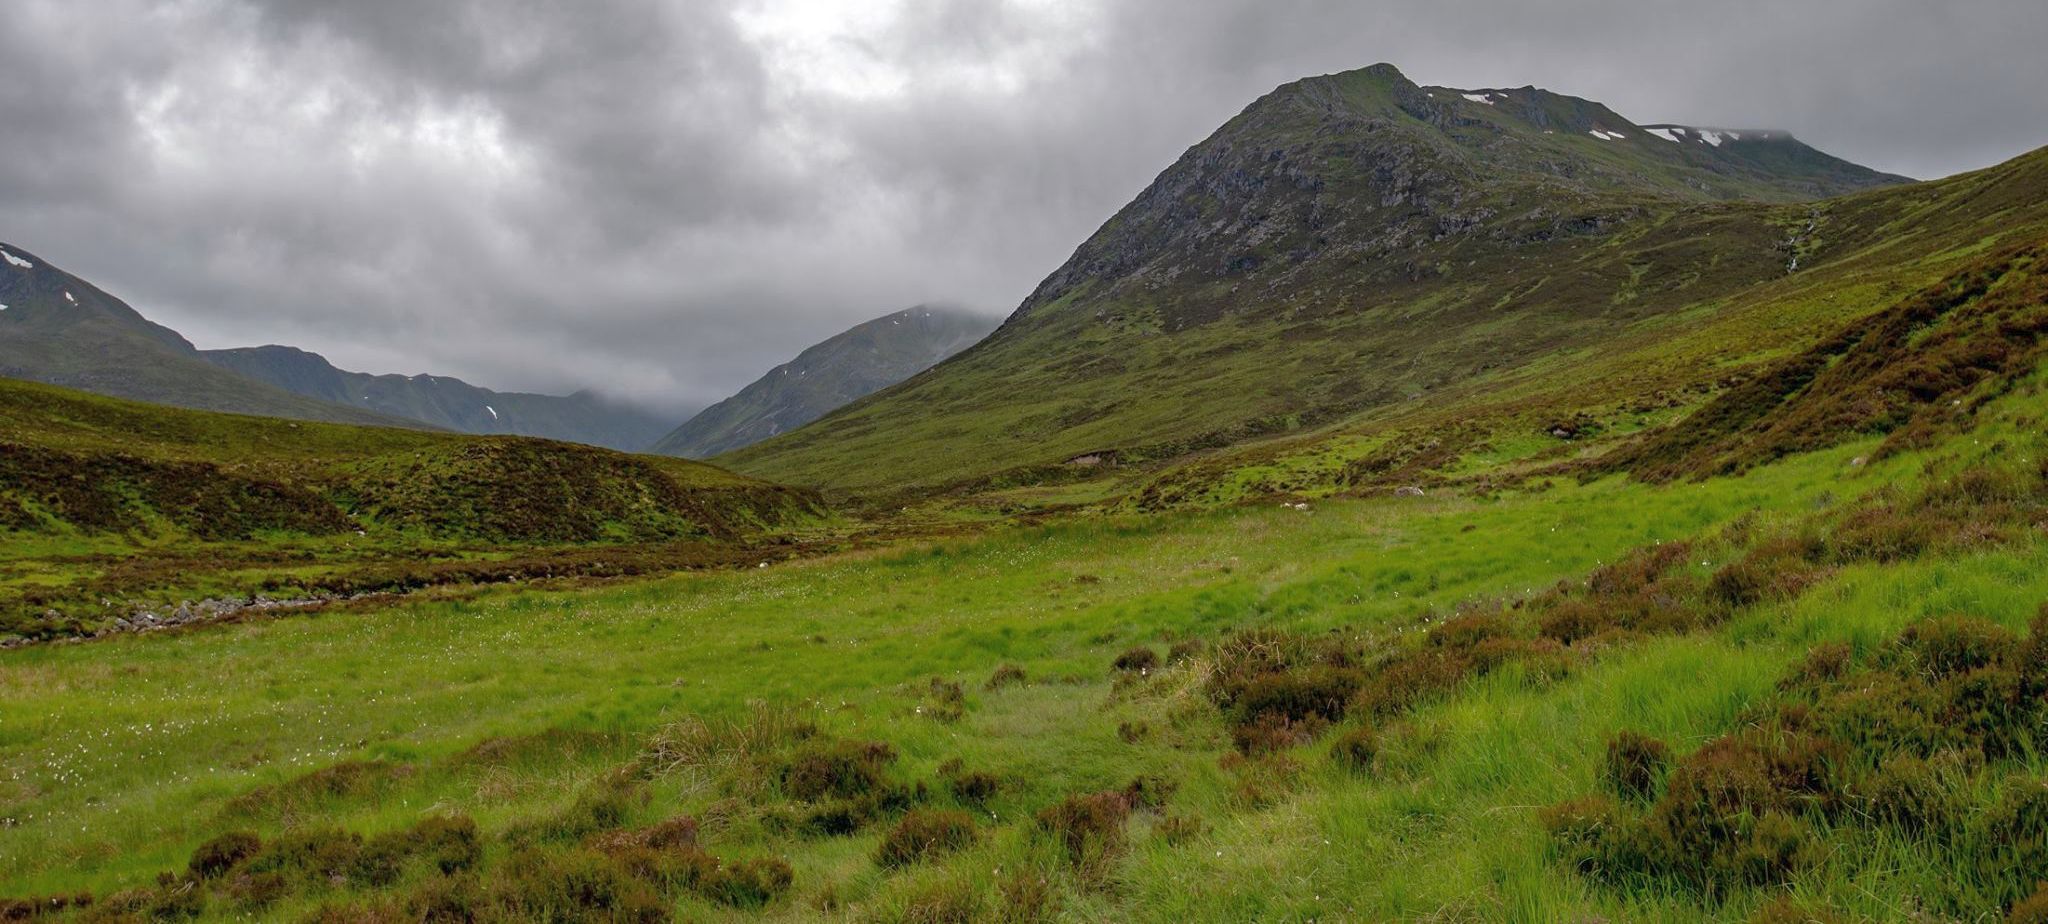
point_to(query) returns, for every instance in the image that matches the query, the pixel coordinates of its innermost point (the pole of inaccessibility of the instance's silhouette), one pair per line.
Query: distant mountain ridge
(583, 417)
(825, 377)
(59, 329)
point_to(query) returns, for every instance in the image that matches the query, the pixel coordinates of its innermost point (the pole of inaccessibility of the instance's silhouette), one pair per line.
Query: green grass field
(523, 709)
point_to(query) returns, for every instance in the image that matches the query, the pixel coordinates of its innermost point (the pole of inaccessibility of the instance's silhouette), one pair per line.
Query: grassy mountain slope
(451, 403)
(59, 329)
(101, 497)
(1351, 243)
(850, 365)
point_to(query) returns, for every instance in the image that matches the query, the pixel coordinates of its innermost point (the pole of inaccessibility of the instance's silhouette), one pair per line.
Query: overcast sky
(663, 199)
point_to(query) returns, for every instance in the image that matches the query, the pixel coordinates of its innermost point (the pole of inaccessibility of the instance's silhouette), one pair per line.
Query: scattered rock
(1408, 491)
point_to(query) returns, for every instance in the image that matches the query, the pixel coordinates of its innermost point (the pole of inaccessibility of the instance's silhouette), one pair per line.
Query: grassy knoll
(110, 507)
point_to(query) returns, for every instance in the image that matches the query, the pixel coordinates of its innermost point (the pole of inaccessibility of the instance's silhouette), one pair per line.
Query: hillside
(59, 329)
(450, 403)
(102, 498)
(848, 366)
(1357, 242)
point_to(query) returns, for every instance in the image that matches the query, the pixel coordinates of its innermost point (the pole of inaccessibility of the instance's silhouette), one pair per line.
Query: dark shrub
(925, 833)
(1909, 794)
(1573, 620)
(1989, 708)
(1184, 651)
(1636, 764)
(1137, 660)
(24, 909)
(599, 809)
(2030, 910)
(382, 859)
(1463, 633)
(840, 769)
(1027, 897)
(1357, 749)
(1824, 663)
(1955, 645)
(1268, 732)
(1882, 534)
(1246, 656)
(1007, 675)
(316, 854)
(224, 853)
(1149, 791)
(2012, 841)
(1743, 582)
(1726, 817)
(256, 891)
(1091, 827)
(1315, 692)
(1582, 829)
(672, 834)
(448, 900)
(575, 885)
(946, 701)
(1411, 678)
(972, 787)
(750, 883)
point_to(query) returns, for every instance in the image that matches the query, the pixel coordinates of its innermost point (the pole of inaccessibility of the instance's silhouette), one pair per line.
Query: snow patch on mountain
(17, 262)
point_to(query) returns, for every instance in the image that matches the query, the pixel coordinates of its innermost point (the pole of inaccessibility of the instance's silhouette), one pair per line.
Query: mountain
(583, 417)
(844, 368)
(59, 329)
(62, 330)
(1356, 247)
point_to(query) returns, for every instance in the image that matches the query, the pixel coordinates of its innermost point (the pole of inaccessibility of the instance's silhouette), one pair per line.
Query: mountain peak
(855, 363)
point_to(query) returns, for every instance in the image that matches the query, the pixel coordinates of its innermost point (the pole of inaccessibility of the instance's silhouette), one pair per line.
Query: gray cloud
(663, 199)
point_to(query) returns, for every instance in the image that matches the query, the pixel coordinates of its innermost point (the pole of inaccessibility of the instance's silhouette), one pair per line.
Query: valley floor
(549, 717)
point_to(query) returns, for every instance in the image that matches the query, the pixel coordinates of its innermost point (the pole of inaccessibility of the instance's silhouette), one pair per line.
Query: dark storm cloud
(663, 199)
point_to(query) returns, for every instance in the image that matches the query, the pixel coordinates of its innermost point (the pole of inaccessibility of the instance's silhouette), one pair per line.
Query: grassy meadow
(661, 699)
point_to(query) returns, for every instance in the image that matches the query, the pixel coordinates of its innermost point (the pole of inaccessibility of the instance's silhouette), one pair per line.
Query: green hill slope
(104, 498)
(60, 329)
(1352, 243)
(584, 417)
(848, 366)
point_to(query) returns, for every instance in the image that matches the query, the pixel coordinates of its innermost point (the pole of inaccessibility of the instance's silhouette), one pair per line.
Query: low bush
(1090, 827)
(223, 853)
(970, 787)
(749, 883)
(1636, 764)
(836, 770)
(923, 834)
(1906, 744)
(1136, 661)
(1007, 675)
(575, 885)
